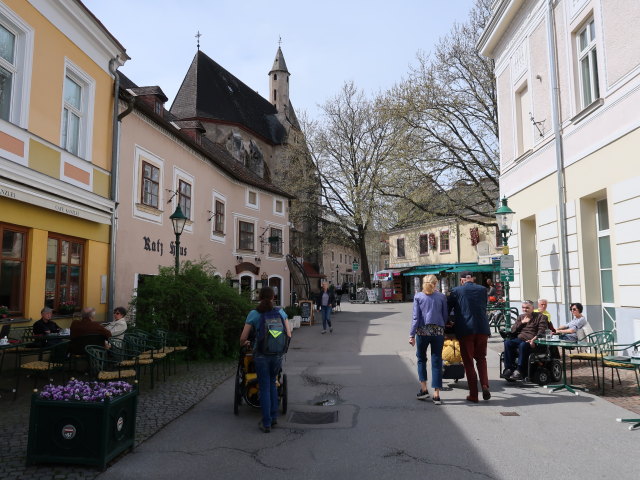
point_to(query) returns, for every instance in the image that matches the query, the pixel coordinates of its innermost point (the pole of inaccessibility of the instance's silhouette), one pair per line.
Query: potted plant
(67, 308)
(4, 311)
(82, 422)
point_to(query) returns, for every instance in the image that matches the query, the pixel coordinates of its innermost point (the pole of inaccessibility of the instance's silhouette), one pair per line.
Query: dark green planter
(87, 433)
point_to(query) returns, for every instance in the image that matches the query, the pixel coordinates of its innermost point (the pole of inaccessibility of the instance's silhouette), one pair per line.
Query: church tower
(279, 84)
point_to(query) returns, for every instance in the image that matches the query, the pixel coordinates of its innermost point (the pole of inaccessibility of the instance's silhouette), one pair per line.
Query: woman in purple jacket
(427, 328)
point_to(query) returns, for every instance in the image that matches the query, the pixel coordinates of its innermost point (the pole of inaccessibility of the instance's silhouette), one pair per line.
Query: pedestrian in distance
(469, 303)
(325, 301)
(270, 342)
(427, 328)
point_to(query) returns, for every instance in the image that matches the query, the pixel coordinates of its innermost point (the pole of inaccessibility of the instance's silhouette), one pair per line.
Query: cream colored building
(337, 264)
(56, 124)
(568, 85)
(440, 247)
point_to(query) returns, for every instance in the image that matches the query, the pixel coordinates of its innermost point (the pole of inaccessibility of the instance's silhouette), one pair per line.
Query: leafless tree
(349, 146)
(447, 164)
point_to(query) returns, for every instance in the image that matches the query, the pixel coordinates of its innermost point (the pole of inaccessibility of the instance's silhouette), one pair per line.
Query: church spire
(279, 83)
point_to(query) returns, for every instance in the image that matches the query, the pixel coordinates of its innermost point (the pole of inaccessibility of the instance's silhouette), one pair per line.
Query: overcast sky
(324, 43)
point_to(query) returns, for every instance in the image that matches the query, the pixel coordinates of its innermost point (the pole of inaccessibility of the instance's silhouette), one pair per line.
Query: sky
(372, 43)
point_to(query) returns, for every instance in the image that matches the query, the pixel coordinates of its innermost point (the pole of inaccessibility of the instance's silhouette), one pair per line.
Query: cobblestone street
(156, 408)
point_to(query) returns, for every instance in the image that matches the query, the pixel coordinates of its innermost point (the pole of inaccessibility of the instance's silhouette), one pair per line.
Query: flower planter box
(88, 433)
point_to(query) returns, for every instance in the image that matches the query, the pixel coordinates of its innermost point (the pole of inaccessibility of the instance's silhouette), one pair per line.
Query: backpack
(272, 334)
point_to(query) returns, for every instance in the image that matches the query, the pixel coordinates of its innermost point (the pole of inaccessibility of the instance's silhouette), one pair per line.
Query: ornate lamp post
(178, 220)
(504, 217)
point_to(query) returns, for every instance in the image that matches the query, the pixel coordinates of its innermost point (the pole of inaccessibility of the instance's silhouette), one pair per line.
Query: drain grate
(509, 414)
(314, 418)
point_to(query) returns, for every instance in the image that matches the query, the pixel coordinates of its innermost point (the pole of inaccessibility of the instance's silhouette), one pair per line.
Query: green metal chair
(106, 368)
(57, 360)
(601, 344)
(617, 366)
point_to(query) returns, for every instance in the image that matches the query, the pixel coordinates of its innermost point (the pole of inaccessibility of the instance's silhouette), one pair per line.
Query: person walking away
(469, 303)
(271, 339)
(325, 302)
(427, 328)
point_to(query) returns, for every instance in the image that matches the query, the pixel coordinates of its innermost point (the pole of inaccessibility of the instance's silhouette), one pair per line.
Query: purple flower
(77, 390)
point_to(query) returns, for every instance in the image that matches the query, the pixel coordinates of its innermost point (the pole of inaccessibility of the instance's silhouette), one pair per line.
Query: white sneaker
(324, 331)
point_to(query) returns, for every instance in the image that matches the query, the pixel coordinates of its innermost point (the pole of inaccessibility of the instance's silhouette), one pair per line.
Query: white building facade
(568, 85)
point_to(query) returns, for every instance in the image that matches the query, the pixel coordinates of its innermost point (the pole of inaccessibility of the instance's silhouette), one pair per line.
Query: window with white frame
(77, 112)
(16, 49)
(588, 64)
(246, 237)
(184, 192)
(524, 132)
(278, 207)
(150, 185)
(252, 198)
(218, 223)
(275, 241)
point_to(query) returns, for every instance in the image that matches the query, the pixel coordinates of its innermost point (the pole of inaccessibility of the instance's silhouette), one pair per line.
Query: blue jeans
(523, 347)
(436, 342)
(326, 316)
(267, 368)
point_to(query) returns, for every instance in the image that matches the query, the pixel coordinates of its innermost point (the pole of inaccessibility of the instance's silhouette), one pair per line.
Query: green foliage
(292, 311)
(195, 303)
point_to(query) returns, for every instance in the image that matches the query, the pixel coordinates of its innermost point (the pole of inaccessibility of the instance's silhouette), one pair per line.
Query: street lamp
(504, 217)
(178, 220)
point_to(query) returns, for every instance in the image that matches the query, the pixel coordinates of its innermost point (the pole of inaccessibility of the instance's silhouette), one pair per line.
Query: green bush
(195, 303)
(292, 311)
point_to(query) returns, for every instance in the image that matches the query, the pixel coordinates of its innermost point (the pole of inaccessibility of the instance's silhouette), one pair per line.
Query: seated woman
(569, 332)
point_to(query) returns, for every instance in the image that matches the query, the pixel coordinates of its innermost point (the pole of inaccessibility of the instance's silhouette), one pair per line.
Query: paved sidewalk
(156, 408)
(625, 395)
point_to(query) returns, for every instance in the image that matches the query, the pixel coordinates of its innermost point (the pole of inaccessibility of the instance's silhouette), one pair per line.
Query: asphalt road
(364, 376)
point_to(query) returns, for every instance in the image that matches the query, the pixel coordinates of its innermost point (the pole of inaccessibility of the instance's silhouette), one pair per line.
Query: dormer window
(158, 108)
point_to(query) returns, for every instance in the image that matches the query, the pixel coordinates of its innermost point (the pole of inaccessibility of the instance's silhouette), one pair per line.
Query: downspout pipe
(114, 63)
(557, 132)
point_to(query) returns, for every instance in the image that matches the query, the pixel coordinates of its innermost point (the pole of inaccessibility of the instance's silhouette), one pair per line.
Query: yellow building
(56, 127)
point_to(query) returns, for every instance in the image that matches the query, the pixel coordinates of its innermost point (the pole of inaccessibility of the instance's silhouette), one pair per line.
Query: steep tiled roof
(208, 91)
(216, 153)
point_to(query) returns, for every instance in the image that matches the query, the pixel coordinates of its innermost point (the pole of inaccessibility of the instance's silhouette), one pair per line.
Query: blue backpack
(272, 334)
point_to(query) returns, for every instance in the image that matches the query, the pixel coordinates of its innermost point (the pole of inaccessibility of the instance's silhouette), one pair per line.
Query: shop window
(65, 263)
(12, 270)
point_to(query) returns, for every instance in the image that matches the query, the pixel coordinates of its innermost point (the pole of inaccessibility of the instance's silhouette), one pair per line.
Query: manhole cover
(509, 414)
(314, 418)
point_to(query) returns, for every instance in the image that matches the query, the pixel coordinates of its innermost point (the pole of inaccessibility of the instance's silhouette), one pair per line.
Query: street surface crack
(403, 455)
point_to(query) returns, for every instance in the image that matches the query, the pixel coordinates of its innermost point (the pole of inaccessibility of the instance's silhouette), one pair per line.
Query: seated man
(525, 331)
(45, 325)
(86, 326)
(569, 332)
(542, 308)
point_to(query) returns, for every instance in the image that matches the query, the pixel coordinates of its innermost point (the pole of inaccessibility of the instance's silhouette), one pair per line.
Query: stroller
(246, 384)
(452, 367)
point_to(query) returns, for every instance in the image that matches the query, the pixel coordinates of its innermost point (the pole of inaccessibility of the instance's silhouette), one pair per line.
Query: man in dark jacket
(469, 303)
(529, 326)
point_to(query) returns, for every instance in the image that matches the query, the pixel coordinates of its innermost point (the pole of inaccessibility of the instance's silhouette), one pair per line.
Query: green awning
(474, 267)
(426, 270)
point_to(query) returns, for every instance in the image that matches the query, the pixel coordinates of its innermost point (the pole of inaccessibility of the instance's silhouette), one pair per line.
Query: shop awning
(426, 270)
(473, 267)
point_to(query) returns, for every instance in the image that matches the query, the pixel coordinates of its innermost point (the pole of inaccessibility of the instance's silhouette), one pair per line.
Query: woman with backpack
(270, 341)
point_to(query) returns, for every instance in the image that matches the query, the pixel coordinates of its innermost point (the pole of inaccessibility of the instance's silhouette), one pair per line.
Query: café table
(633, 361)
(564, 345)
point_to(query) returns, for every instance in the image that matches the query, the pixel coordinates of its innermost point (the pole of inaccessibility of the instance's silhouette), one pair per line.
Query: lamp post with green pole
(178, 220)
(504, 217)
